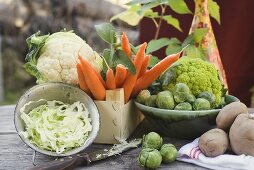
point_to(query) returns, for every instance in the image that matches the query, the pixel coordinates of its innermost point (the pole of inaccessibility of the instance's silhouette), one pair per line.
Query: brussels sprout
(180, 97)
(149, 158)
(182, 88)
(183, 106)
(201, 104)
(190, 98)
(181, 92)
(143, 96)
(165, 100)
(151, 101)
(168, 153)
(208, 96)
(152, 140)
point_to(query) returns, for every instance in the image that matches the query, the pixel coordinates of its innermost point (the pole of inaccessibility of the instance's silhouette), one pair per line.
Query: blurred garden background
(21, 18)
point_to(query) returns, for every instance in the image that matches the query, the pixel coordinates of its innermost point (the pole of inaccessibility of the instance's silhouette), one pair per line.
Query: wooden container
(117, 120)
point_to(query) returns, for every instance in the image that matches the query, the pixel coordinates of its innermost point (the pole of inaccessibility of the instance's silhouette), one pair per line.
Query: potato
(227, 115)
(214, 142)
(241, 134)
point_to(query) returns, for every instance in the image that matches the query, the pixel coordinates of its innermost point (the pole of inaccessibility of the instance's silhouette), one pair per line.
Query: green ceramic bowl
(181, 124)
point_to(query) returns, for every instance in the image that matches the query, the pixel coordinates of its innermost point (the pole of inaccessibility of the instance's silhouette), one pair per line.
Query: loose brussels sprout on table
(151, 101)
(150, 158)
(143, 96)
(165, 100)
(152, 140)
(183, 106)
(168, 153)
(201, 104)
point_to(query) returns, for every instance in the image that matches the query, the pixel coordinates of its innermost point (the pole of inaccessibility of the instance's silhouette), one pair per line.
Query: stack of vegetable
(189, 84)
(154, 151)
(234, 132)
(124, 67)
(65, 57)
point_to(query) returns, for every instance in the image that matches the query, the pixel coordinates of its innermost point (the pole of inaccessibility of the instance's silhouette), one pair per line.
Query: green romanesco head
(199, 75)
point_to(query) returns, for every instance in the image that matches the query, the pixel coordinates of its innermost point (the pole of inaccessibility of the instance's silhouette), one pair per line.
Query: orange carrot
(100, 78)
(131, 79)
(151, 75)
(110, 79)
(144, 65)
(92, 80)
(121, 73)
(81, 78)
(96, 72)
(125, 45)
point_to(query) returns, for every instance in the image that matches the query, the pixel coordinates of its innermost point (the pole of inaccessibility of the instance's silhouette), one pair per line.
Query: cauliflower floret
(199, 75)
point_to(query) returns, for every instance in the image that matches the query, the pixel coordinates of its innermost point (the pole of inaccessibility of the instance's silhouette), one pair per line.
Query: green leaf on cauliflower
(35, 42)
(32, 69)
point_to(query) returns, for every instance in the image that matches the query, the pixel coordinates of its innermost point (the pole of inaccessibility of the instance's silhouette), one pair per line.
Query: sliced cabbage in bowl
(56, 126)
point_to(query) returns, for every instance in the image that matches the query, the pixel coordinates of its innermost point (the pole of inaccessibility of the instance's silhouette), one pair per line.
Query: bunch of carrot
(92, 83)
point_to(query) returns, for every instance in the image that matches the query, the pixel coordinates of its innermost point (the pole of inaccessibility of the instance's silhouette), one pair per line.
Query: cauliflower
(197, 74)
(53, 58)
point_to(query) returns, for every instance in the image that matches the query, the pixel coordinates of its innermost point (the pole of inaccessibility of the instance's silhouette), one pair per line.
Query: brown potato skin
(227, 115)
(214, 142)
(241, 135)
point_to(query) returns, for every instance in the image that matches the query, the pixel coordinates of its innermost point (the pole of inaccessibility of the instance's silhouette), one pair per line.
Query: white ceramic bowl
(61, 92)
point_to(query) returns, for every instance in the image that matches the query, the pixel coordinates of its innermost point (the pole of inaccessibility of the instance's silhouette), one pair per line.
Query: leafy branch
(139, 9)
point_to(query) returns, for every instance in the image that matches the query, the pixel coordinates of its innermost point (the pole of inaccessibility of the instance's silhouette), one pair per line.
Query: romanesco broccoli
(199, 75)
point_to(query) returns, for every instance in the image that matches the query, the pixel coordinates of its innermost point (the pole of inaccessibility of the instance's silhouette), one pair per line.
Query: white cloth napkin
(192, 154)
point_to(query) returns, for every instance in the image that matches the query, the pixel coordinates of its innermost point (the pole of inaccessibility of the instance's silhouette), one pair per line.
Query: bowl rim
(87, 143)
(177, 112)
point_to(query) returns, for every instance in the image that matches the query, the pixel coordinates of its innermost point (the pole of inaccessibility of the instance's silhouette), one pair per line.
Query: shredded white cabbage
(56, 126)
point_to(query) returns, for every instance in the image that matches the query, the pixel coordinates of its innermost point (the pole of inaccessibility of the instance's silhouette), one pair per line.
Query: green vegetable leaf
(153, 61)
(148, 6)
(194, 52)
(214, 10)
(106, 58)
(35, 42)
(155, 45)
(179, 6)
(133, 2)
(172, 21)
(130, 17)
(106, 31)
(195, 37)
(173, 49)
(134, 49)
(32, 69)
(199, 34)
(151, 14)
(174, 46)
(121, 58)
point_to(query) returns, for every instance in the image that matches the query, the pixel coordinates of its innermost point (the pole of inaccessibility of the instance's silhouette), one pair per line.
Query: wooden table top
(14, 154)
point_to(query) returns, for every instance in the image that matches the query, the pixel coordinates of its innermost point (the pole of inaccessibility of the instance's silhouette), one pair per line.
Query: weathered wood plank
(14, 154)
(1, 73)
(7, 119)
